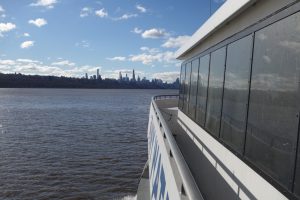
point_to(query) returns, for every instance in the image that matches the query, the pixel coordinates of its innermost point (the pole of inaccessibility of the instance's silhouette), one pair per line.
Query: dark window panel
(274, 101)
(215, 91)
(181, 87)
(193, 88)
(202, 89)
(236, 90)
(187, 87)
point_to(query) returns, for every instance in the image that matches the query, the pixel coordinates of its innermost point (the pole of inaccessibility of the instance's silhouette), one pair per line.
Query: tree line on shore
(36, 81)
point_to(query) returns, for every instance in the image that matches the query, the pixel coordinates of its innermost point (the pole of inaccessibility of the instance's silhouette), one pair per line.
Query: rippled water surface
(72, 144)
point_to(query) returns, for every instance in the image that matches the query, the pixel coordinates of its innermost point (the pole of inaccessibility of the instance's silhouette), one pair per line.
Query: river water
(72, 143)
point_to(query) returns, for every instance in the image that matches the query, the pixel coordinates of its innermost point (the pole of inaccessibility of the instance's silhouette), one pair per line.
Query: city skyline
(67, 38)
(121, 78)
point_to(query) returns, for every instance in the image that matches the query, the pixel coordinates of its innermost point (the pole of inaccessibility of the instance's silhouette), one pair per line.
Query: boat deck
(187, 146)
(208, 172)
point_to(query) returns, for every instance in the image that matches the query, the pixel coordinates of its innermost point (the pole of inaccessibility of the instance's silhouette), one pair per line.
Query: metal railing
(162, 97)
(189, 186)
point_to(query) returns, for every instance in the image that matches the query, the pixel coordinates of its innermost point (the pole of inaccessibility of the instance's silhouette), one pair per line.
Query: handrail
(188, 181)
(169, 96)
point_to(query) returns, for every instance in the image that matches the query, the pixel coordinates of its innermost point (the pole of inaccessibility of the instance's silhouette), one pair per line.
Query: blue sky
(70, 38)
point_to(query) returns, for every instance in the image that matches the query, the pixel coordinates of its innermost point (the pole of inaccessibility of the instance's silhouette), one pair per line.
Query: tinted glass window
(202, 89)
(215, 91)
(236, 90)
(193, 89)
(297, 175)
(274, 100)
(181, 87)
(187, 87)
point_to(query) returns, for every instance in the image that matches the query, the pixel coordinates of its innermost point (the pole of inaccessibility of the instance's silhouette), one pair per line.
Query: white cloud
(154, 33)
(64, 63)
(2, 12)
(22, 60)
(176, 42)
(4, 68)
(86, 11)
(262, 36)
(39, 22)
(5, 27)
(291, 45)
(137, 30)
(152, 56)
(115, 73)
(150, 50)
(141, 8)
(27, 44)
(149, 58)
(166, 76)
(1, 9)
(45, 3)
(145, 58)
(117, 58)
(101, 13)
(28, 66)
(267, 59)
(83, 44)
(7, 62)
(126, 16)
(26, 35)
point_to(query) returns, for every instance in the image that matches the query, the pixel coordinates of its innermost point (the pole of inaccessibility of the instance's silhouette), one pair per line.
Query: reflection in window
(187, 87)
(274, 100)
(202, 89)
(215, 91)
(193, 89)
(181, 87)
(236, 89)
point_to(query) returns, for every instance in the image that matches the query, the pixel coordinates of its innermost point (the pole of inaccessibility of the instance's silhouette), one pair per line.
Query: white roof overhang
(223, 15)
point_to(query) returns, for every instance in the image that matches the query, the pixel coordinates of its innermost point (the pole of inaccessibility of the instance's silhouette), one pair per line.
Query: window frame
(197, 80)
(248, 94)
(207, 86)
(181, 86)
(217, 134)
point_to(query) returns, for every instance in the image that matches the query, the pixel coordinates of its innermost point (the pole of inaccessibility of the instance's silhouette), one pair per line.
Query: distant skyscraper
(120, 76)
(86, 76)
(98, 74)
(138, 79)
(133, 75)
(126, 78)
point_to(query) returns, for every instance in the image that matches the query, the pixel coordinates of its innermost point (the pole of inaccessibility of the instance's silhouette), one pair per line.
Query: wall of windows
(246, 94)
(274, 100)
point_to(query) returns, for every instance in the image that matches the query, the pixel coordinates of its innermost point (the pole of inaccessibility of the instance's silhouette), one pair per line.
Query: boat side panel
(161, 176)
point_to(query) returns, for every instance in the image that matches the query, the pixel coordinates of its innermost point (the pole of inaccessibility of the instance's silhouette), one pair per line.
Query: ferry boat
(233, 130)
